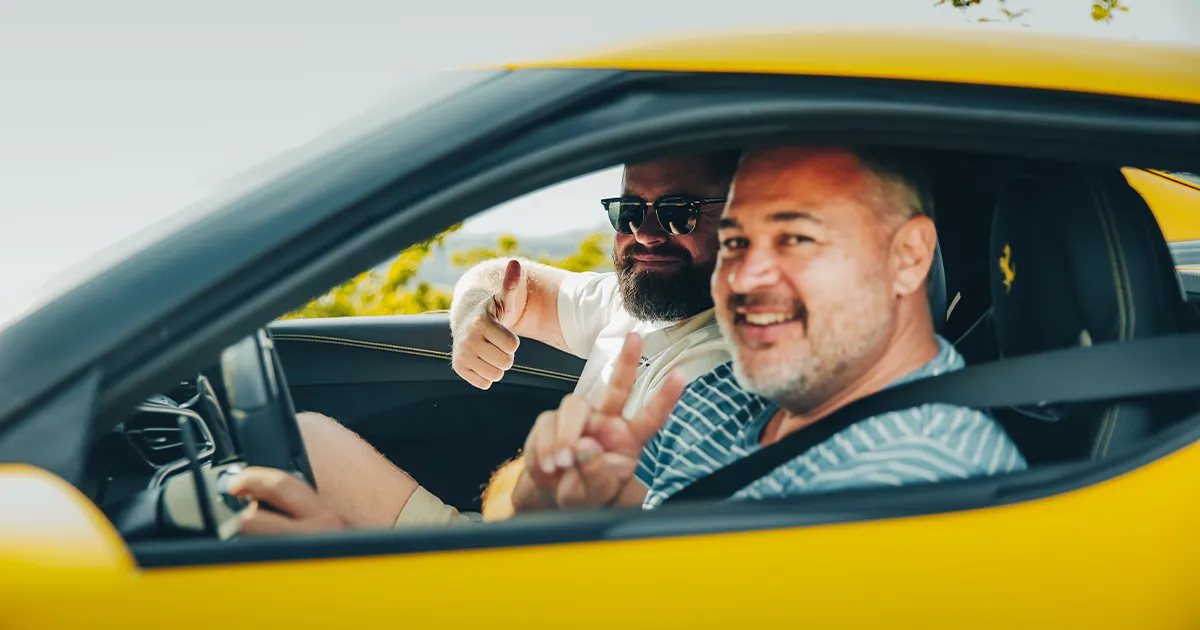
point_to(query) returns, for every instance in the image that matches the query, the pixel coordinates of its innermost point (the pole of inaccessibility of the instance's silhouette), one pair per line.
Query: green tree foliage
(395, 291)
(1102, 10)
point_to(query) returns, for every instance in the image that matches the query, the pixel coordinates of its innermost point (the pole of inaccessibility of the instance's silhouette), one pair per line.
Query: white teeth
(766, 319)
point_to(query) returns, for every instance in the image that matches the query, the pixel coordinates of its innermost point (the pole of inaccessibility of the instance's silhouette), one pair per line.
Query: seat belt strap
(1106, 372)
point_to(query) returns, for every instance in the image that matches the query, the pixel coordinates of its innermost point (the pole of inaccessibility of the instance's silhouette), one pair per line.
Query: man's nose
(757, 268)
(650, 232)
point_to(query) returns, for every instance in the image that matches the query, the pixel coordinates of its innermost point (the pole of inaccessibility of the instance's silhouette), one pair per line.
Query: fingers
(283, 491)
(483, 368)
(595, 480)
(501, 337)
(539, 446)
(485, 353)
(495, 357)
(624, 374)
(258, 522)
(302, 510)
(504, 302)
(654, 413)
(600, 478)
(487, 347)
(572, 417)
(550, 447)
(587, 451)
(512, 278)
(473, 378)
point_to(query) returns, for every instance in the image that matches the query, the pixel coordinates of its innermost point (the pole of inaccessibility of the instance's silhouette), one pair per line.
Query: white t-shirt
(594, 325)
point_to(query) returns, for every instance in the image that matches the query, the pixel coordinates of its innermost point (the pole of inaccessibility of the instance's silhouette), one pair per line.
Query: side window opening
(561, 225)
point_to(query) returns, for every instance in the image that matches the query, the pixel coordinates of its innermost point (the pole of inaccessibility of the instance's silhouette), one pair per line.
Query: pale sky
(115, 113)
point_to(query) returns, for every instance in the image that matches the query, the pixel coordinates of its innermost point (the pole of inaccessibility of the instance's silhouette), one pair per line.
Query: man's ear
(913, 245)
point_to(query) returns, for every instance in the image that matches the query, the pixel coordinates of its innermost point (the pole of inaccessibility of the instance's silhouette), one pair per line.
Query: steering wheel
(262, 416)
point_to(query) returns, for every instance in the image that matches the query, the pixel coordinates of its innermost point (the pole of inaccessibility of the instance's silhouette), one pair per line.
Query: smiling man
(820, 287)
(664, 251)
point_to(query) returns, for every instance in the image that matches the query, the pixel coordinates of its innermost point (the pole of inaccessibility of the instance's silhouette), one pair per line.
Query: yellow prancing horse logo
(1007, 268)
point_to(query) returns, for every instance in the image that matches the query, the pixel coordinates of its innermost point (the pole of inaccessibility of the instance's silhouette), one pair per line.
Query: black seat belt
(1106, 372)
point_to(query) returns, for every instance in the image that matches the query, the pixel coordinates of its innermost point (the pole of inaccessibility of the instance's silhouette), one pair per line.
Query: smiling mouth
(657, 261)
(760, 318)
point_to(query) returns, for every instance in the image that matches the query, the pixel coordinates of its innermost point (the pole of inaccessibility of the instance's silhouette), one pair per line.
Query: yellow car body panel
(1176, 203)
(959, 55)
(57, 526)
(53, 540)
(1047, 563)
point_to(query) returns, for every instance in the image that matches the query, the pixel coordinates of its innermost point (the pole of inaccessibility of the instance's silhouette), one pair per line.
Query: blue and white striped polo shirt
(716, 422)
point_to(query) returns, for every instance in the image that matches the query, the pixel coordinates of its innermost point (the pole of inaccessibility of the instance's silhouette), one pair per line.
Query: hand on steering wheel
(261, 413)
(296, 507)
(264, 421)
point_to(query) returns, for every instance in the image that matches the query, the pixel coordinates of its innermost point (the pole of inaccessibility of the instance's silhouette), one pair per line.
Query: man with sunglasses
(663, 255)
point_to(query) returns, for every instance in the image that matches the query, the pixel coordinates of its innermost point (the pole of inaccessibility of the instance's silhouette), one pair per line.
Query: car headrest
(935, 282)
(1077, 257)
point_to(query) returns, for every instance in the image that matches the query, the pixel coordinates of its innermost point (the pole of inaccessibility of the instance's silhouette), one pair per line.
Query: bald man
(820, 288)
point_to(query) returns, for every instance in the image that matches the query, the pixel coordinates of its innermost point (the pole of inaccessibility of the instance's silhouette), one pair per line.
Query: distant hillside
(438, 270)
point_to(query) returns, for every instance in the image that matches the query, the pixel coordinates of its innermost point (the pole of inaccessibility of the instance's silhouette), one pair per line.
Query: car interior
(1075, 249)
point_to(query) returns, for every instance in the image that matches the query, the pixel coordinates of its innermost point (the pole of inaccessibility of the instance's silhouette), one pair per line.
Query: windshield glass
(41, 258)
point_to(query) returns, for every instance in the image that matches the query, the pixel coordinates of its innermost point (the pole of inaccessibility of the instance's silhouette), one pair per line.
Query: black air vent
(155, 434)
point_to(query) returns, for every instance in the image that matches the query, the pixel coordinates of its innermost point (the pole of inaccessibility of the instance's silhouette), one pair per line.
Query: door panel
(389, 379)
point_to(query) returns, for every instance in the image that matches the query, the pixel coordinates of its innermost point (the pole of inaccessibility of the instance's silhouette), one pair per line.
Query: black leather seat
(1078, 258)
(935, 283)
(936, 287)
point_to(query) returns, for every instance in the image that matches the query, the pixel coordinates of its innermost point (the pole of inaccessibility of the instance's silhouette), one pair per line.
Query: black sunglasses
(677, 215)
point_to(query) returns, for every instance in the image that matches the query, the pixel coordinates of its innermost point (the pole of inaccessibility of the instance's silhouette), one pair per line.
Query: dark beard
(663, 296)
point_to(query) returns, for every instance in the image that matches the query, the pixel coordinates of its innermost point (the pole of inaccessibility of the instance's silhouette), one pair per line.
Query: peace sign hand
(580, 456)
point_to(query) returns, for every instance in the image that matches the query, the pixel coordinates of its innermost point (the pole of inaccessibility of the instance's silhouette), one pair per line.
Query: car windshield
(37, 268)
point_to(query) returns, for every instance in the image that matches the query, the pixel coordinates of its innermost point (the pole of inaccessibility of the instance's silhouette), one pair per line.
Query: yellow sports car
(128, 391)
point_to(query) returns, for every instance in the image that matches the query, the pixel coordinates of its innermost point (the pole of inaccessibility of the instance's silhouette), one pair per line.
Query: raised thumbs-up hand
(487, 346)
(583, 456)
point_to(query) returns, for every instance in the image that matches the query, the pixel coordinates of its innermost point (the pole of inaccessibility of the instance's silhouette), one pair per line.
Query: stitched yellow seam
(425, 352)
(422, 352)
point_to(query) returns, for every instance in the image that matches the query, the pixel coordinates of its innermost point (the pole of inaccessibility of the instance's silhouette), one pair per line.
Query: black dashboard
(165, 470)
(148, 447)
(134, 469)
